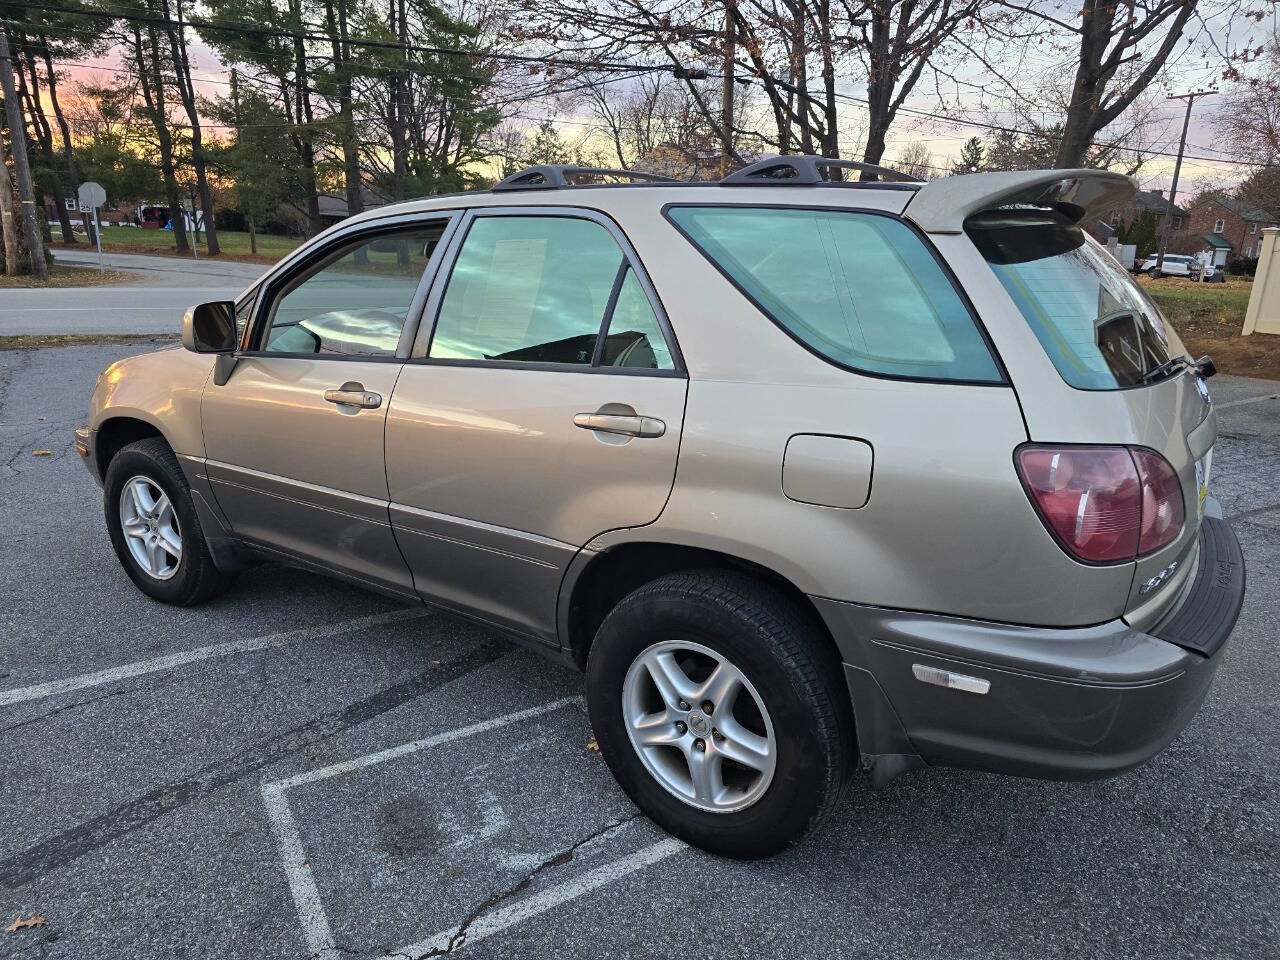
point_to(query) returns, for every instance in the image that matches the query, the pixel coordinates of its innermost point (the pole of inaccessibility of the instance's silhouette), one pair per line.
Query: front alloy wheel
(150, 527)
(699, 726)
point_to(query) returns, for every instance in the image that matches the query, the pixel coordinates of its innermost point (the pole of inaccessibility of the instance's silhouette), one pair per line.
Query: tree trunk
(8, 224)
(64, 130)
(337, 20)
(306, 150)
(151, 76)
(187, 94)
(30, 92)
(253, 236)
(21, 167)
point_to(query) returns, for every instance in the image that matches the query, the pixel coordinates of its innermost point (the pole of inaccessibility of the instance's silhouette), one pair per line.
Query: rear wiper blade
(1166, 369)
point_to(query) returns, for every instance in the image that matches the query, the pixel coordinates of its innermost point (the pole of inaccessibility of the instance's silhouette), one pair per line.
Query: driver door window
(355, 302)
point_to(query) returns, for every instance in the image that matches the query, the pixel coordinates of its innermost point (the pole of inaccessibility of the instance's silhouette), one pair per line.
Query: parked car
(1175, 265)
(807, 475)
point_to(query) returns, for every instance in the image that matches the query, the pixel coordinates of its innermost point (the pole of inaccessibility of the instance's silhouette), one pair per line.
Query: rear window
(860, 289)
(1099, 328)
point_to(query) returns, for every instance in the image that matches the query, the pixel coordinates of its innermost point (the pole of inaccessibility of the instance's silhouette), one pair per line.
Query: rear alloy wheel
(721, 709)
(709, 741)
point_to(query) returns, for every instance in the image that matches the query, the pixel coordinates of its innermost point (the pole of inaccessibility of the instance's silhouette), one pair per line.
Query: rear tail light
(1104, 504)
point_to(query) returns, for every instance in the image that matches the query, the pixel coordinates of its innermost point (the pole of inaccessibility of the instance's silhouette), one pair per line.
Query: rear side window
(1096, 324)
(545, 289)
(860, 289)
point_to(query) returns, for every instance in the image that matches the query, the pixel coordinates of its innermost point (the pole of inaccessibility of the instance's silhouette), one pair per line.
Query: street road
(153, 303)
(303, 770)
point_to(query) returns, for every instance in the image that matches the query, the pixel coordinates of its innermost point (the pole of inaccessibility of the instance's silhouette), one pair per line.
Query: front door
(294, 437)
(544, 409)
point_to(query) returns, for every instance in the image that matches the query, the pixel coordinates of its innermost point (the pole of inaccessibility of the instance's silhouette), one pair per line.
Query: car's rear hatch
(1101, 364)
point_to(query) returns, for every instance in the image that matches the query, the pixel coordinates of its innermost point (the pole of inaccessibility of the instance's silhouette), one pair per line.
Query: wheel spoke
(170, 541)
(743, 746)
(134, 528)
(721, 687)
(657, 729)
(143, 501)
(155, 558)
(672, 682)
(704, 769)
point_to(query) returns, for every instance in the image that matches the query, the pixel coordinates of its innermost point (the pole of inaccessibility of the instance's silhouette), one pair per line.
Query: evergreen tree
(972, 157)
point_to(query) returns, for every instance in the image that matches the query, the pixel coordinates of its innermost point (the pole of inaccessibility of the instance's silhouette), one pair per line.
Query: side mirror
(210, 327)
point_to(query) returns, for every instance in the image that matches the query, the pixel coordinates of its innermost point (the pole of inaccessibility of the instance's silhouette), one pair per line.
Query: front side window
(546, 289)
(356, 301)
(1096, 324)
(859, 289)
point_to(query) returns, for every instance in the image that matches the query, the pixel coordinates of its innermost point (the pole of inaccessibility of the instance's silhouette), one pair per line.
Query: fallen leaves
(592, 745)
(42, 453)
(35, 920)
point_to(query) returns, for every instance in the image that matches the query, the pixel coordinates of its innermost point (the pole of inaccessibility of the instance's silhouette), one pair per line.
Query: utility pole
(1167, 226)
(21, 168)
(726, 91)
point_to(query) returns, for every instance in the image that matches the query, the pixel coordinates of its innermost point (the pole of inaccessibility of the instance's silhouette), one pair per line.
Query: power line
(277, 32)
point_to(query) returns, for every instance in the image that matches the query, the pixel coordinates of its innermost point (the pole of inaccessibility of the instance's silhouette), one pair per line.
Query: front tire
(151, 519)
(720, 708)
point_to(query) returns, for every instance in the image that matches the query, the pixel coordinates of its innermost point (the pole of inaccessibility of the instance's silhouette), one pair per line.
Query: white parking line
(140, 667)
(306, 896)
(488, 924)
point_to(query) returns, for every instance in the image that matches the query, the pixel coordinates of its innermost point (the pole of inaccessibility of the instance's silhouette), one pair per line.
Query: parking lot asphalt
(301, 769)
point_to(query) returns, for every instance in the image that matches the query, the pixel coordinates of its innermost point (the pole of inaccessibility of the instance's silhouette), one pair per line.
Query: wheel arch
(596, 581)
(118, 431)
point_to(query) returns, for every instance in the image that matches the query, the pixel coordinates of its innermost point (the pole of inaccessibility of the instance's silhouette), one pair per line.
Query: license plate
(1202, 481)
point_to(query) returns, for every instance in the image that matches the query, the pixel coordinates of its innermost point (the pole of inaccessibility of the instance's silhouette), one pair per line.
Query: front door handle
(352, 394)
(621, 424)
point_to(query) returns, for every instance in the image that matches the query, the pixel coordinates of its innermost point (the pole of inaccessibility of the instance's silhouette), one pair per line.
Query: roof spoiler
(942, 206)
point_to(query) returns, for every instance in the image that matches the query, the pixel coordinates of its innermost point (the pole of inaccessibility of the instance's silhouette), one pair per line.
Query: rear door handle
(621, 424)
(352, 394)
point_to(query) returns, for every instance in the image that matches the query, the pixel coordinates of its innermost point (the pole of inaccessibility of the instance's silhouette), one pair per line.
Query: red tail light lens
(1089, 497)
(1104, 504)
(1162, 509)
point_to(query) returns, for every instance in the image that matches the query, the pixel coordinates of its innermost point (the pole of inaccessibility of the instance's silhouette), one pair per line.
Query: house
(333, 207)
(1226, 226)
(1144, 201)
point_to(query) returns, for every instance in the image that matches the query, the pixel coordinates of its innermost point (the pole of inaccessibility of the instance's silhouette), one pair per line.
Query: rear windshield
(1099, 328)
(859, 289)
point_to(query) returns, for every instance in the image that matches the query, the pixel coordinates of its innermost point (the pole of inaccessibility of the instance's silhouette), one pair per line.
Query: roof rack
(554, 176)
(805, 170)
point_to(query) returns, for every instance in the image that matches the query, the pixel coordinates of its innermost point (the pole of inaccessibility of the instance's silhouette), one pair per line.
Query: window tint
(635, 338)
(531, 289)
(860, 289)
(356, 302)
(1095, 323)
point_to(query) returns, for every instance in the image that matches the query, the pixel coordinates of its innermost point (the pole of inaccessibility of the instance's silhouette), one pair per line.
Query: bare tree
(21, 167)
(915, 160)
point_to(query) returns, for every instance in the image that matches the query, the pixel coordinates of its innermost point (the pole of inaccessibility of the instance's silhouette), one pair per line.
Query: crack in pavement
(459, 938)
(70, 845)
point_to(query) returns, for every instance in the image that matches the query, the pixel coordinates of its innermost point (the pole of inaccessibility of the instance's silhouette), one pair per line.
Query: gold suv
(805, 473)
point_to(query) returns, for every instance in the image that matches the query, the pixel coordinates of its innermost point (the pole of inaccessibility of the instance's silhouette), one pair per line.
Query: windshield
(1097, 324)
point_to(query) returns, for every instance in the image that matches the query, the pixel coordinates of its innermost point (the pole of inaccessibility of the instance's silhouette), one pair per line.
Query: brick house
(1218, 218)
(1142, 201)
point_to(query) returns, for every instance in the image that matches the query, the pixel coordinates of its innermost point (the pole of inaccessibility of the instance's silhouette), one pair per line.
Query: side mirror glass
(210, 327)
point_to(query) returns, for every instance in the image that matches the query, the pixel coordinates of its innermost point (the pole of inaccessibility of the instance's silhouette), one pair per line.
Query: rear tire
(150, 514)
(789, 698)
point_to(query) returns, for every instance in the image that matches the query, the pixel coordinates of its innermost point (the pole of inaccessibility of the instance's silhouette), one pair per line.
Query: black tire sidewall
(796, 793)
(133, 461)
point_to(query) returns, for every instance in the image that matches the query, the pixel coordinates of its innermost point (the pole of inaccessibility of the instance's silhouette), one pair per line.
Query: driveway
(152, 304)
(303, 770)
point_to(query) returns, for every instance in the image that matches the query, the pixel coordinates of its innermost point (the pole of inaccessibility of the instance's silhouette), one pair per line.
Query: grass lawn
(235, 244)
(60, 276)
(1208, 318)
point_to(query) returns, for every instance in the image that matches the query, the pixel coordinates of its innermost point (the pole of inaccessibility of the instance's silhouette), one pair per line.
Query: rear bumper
(1071, 703)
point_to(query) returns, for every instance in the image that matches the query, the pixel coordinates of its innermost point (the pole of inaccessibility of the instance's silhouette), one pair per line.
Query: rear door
(542, 407)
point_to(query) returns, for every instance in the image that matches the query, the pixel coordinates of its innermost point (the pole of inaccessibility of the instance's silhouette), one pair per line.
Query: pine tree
(972, 157)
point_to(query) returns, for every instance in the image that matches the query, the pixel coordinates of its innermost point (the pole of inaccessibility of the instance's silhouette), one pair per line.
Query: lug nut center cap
(699, 724)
